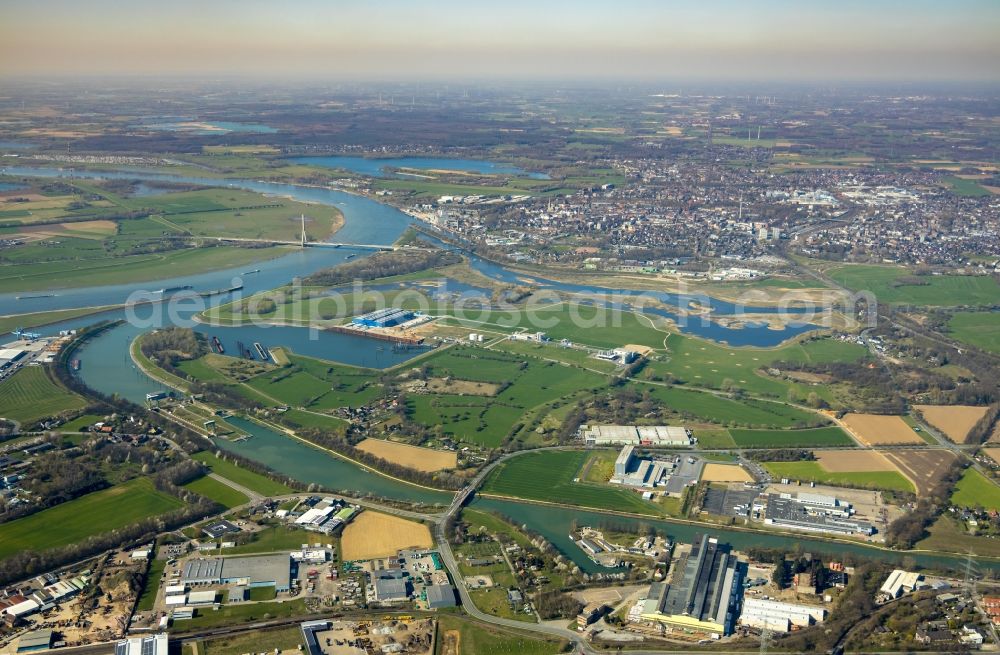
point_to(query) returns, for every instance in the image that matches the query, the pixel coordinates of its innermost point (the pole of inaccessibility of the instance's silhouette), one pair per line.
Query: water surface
(376, 167)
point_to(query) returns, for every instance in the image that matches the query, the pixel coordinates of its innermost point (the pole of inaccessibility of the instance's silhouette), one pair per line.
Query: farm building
(644, 435)
(383, 318)
(252, 571)
(778, 616)
(705, 593)
(151, 645)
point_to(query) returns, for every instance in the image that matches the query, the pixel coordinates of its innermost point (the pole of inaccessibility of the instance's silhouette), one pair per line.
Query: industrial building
(390, 590)
(815, 513)
(637, 435)
(704, 593)
(440, 595)
(633, 471)
(31, 642)
(383, 318)
(151, 645)
(671, 475)
(778, 616)
(251, 571)
(10, 355)
(327, 517)
(901, 582)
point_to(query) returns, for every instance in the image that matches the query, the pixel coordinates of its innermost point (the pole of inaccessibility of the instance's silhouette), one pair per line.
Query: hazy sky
(813, 41)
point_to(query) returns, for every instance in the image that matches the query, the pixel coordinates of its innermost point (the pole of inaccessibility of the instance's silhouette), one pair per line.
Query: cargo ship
(184, 287)
(217, 345)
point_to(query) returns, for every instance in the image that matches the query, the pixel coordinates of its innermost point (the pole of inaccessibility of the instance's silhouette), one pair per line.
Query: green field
(969, 188)
(41, 276)
(148, 597)
(253, 481)
(258, 641)
(488, 420)
(811, 438)
(37, 319)
(549, 476)
(593, 326)
(240, 613)
(275, 539)
(481, 639)
(95, 513)
(219, 492)
(714, 439)
(707, 364)
(80, 422)
(952, 536)
(29, 395)
(712, 408)
(975, 490)
(979, 329)
(813, 472)
(889, 284)
(317, 385)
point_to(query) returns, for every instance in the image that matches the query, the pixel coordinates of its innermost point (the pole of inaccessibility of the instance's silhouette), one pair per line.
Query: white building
(624, 459)
(645, 435)
(151, 645)
(901, 582)
(778, 616)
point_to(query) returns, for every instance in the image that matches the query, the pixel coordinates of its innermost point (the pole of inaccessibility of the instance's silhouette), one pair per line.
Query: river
(375, 166)
(107, 367)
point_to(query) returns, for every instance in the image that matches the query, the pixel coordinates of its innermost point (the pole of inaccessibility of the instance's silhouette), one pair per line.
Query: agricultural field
(30, 395)
(954, 421)
(714, 472)
(810, 438)
(241, 476)
(815, 472)
(219, 492)
(979, 329)
(549, 476)
(415, 457)
(895, 284)
(92, 514)
(372, 534)
(847, 461)
(881, 430)
(976, 490)
(924, 468)
(993, 453)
